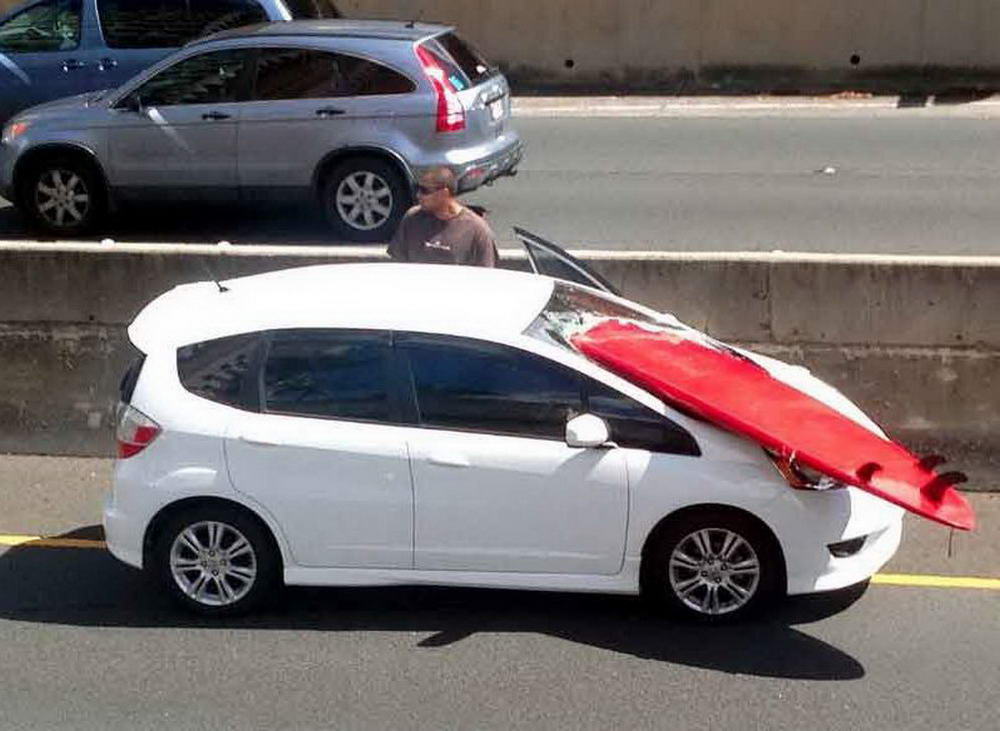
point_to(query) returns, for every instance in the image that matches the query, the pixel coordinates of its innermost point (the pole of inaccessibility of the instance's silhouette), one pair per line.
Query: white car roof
(455, 300)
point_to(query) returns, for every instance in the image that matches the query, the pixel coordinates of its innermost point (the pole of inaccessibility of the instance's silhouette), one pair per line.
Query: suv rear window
(464, 65)
(473, 64)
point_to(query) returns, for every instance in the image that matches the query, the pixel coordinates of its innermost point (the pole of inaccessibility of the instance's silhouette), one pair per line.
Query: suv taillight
(450, 112)
(135, 431)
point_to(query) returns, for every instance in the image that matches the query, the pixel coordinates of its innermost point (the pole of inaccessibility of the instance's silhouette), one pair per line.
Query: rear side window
(636, 426)
(485, 387)
(48, 26)
(219, 370)
(171, 23)
(298, 73)
(329, 374)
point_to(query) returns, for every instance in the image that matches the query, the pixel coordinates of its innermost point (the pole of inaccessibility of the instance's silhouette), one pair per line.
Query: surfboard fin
(866, 471)
(930, 461)
(936, 487)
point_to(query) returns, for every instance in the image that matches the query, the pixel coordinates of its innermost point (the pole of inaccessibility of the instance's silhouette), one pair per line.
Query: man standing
(440, 230)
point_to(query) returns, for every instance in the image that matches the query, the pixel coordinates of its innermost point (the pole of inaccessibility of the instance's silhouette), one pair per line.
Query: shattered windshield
(571, 310)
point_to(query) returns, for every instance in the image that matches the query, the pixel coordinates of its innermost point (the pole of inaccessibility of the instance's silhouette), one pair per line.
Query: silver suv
(347, 111)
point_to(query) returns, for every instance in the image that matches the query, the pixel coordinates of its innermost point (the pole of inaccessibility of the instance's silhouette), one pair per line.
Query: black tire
(50, 194)
(263, 561)
(685, 588)
(389, 191)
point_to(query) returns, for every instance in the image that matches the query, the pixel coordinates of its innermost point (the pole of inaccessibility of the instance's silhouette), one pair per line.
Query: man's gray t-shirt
(425, 238)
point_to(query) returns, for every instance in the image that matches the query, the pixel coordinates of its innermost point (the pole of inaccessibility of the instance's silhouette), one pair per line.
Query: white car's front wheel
(712, 566)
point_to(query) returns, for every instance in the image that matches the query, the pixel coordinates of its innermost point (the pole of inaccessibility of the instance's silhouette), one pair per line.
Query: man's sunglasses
(429, 190)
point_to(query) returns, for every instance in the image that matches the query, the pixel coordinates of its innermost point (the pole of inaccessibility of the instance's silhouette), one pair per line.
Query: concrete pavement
(89, 644)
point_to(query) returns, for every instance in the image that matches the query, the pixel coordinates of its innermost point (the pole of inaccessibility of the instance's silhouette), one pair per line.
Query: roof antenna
(211, 272)
(420, 16)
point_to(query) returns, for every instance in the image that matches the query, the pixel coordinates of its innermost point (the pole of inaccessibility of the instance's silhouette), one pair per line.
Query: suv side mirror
(587, 430)
(131, 103)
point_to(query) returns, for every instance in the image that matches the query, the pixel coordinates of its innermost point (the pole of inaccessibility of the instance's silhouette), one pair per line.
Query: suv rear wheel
(364, 198)
(63, 196)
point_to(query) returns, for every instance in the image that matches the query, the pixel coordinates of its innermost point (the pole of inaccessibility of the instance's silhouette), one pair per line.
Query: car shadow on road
(89, 588)
(184, 222)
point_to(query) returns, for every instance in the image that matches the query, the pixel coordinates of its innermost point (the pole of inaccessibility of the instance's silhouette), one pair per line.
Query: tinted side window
(309, 9)
(633, 425)
(218, 369)
(297, 73)
(341, 375)
(210, 78)
(477, 386)
(49, 26)
(171, 23)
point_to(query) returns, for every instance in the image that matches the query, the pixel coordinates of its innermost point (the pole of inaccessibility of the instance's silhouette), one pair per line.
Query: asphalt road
(725, 176)
(86, 645)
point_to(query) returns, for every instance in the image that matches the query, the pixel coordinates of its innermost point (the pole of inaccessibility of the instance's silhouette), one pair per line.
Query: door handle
(258, 442)
(106, 63)
(71, 64)
(330, 112)
(449, 460)
(215, 115)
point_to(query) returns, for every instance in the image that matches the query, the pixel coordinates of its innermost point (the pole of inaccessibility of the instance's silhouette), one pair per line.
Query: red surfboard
(728, 389)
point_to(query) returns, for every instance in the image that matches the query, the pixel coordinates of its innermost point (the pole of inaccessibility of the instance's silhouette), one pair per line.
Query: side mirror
(587, 430)
(131, 103)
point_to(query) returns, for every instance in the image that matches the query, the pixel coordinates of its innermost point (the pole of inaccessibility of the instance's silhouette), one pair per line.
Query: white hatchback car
(377, 424)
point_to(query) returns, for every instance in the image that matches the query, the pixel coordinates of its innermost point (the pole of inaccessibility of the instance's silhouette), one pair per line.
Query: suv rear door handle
(330, 112)
(215, 115)
(71, 64)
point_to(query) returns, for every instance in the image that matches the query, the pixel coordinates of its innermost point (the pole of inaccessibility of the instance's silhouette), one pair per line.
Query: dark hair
(441, 177)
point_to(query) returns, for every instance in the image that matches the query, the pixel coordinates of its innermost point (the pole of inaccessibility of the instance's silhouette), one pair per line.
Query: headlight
(13, 130)
(801, 477)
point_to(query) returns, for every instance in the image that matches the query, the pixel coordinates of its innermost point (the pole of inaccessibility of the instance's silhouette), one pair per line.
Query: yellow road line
(943, 582)
(43, 542)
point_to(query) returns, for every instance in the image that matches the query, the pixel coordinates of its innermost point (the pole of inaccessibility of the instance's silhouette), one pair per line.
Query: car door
(138, 33)
(546, 258)
(496, 488)
(306, 103)
(175, 135)
(45, 53)
(326, 455)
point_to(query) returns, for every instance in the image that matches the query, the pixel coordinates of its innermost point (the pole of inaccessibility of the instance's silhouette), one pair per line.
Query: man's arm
(397, 249)
(485, 247)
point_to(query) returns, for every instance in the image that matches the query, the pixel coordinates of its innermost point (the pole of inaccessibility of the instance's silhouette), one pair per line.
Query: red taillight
(135, 432)
(450, 112)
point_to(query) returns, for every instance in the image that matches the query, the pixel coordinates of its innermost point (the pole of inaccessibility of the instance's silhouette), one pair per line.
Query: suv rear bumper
(485, 170)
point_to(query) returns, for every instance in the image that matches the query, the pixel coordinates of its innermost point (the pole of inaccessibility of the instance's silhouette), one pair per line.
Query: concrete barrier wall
(915, 341)
(686, 45)
(698, 44)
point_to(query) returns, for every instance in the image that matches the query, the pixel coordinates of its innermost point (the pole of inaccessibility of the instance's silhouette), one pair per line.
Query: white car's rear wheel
(216, 560)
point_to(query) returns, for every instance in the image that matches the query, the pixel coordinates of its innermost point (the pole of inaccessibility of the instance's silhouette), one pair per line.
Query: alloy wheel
(213, 563)
(714, 571)
(62, 198)
(363, 200)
